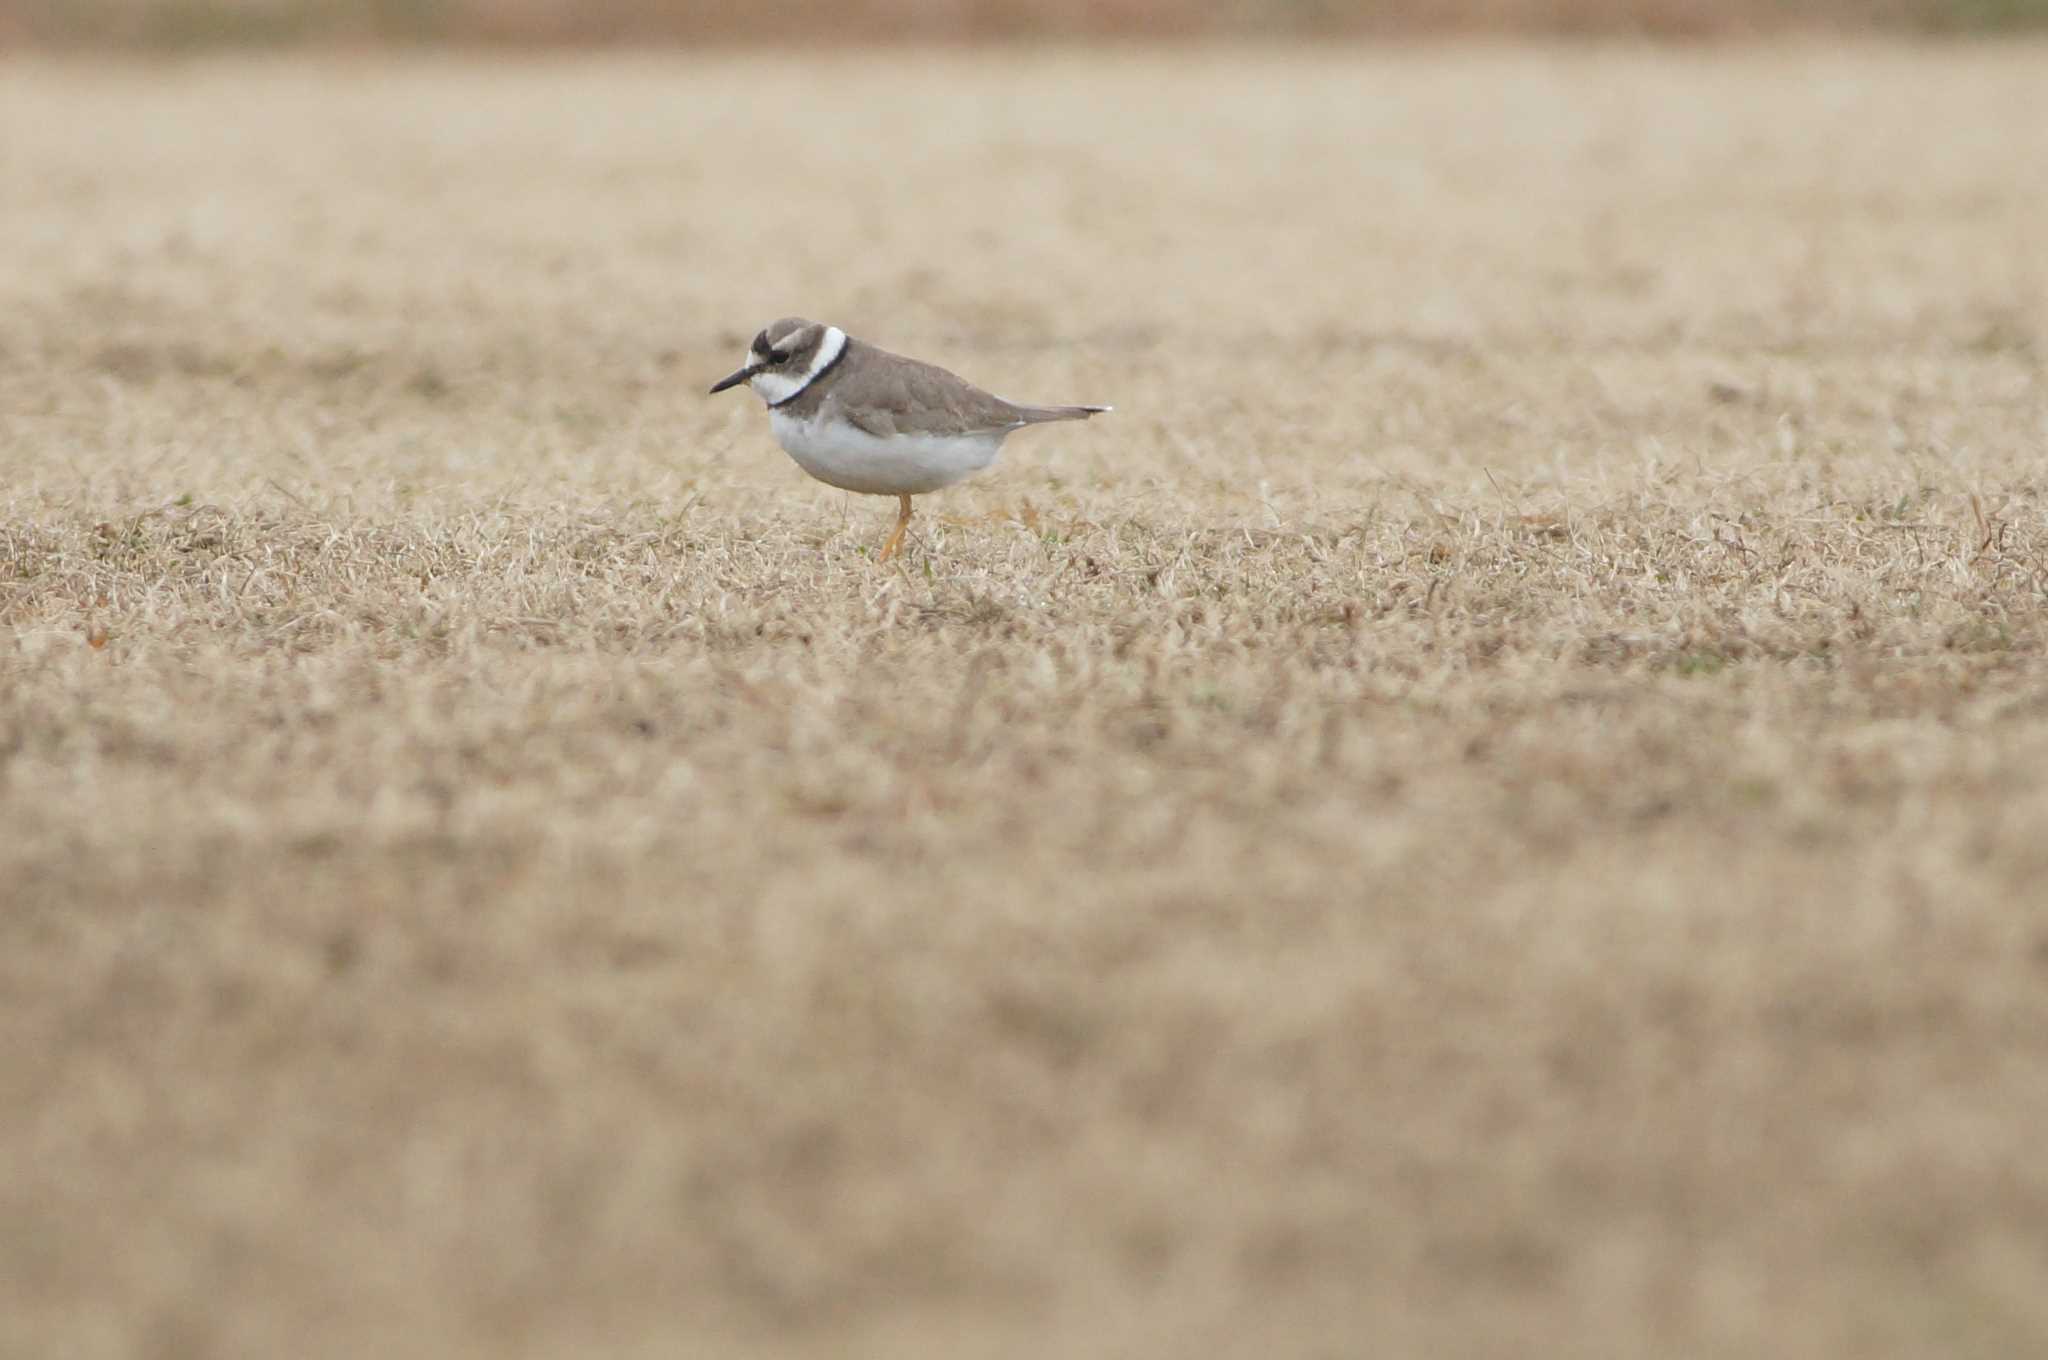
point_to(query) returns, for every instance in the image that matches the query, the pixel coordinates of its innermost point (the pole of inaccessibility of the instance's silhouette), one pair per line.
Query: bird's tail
(1034, 415)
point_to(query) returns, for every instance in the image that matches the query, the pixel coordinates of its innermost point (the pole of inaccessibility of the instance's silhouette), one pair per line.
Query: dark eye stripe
(776, 356)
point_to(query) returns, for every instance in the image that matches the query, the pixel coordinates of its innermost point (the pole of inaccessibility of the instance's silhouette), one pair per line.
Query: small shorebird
(863, 419)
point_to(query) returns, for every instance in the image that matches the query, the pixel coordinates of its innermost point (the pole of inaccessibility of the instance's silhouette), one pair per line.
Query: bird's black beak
(735, 378)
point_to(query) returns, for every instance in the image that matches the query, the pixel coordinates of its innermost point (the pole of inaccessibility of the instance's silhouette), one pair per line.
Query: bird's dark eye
(776, 356)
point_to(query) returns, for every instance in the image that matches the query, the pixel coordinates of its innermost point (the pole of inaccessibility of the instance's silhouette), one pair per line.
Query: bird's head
(785, 358)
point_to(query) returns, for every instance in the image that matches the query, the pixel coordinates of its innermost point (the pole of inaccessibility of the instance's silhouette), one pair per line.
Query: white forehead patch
(775, 387)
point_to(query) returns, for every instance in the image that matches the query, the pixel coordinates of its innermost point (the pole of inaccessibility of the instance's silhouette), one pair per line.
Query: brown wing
(887, 394)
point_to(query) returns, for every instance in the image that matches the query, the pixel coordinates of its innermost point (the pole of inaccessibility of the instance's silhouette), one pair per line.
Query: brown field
(1498, 806)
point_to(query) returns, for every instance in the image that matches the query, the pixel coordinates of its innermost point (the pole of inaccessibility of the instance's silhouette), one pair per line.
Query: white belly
(900, 465)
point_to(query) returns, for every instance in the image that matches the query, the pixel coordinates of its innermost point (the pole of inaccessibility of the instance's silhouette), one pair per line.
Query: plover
(863, 419)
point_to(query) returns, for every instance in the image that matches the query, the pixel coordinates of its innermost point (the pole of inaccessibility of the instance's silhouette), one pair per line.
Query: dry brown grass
(1495, 807)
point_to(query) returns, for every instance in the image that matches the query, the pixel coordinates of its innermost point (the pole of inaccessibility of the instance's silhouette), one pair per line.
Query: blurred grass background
(177, 24)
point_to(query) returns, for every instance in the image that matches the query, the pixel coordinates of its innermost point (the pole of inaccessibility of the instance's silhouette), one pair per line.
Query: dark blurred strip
(175, 24)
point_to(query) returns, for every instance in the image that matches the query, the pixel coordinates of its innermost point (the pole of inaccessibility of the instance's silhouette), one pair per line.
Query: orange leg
(896, 538)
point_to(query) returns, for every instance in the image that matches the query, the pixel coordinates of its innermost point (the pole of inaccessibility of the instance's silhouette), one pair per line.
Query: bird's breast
(846, 456)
